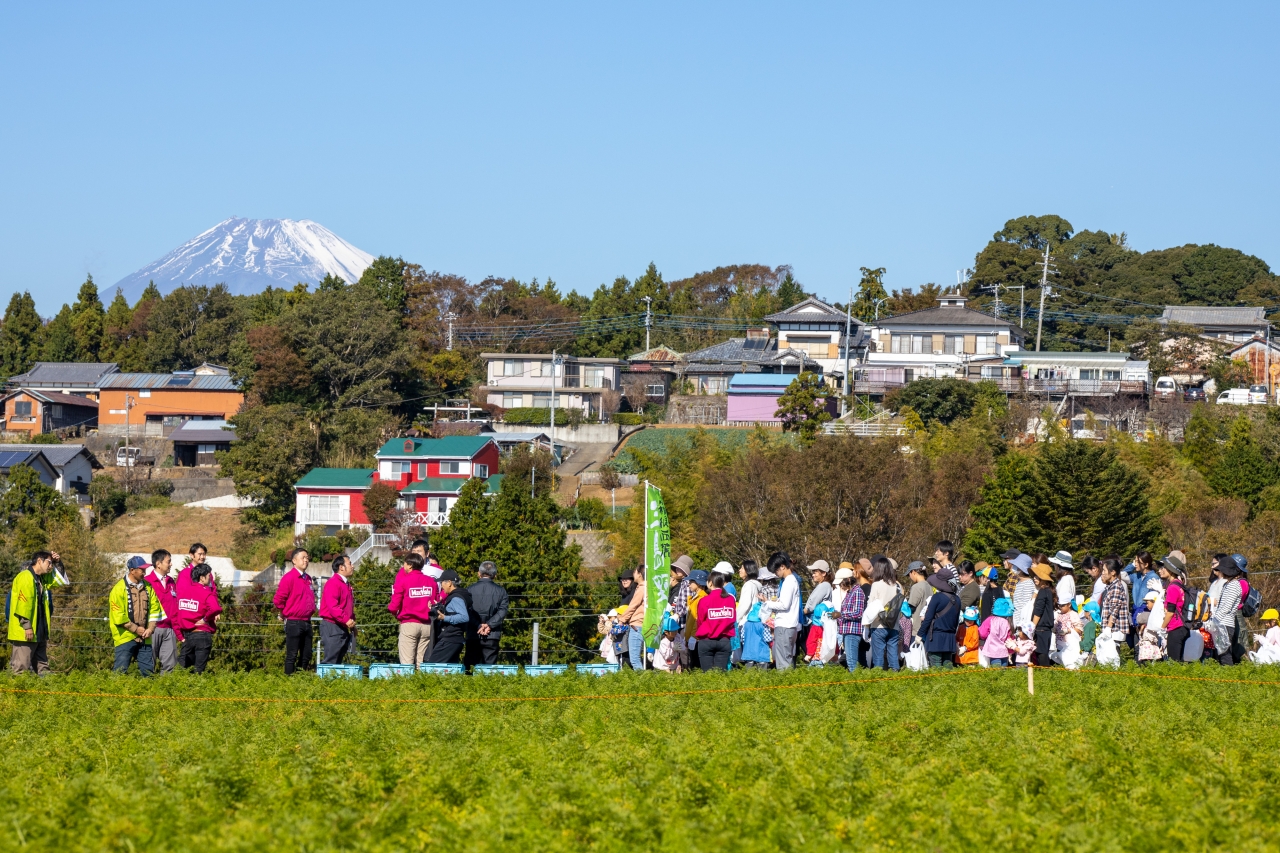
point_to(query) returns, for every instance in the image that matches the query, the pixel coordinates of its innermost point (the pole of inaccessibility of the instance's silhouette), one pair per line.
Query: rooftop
(80, 374)
(204, 432)
(187, 381)
(811, 308)
(57, 397)
(57, 454)
(951, 312)
(337, 478)
(1203, 315)
(774, 381)
(449, 447)
(449, 485)
(490, 356)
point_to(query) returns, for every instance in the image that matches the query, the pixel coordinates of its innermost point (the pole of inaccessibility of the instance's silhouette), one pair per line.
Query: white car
(1166, 386)
(1237, 397)
(1258, 394)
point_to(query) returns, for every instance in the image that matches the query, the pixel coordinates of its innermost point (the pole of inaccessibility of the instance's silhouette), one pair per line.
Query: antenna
(1046, 269)
(450, 317)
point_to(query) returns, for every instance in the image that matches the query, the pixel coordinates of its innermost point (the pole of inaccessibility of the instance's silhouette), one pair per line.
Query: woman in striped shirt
(1224, 611)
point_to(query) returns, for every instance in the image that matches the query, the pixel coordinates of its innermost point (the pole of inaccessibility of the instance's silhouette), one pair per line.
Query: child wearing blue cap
(1090, 618)
(994, 633)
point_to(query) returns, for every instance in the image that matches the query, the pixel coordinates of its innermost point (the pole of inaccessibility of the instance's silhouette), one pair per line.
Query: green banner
(657, 562)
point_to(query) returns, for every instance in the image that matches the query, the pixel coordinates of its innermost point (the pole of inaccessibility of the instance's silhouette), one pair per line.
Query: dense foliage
(960, 762)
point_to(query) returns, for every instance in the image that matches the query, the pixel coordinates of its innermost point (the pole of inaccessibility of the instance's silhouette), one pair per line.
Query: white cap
(723, 568)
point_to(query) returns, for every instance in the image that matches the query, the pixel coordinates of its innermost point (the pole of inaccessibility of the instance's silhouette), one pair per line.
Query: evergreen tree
(386, 276)
(58, 341)
(802, 406)
(87, 322)
(19, 336)
(870, 292)
(1242, 471)
(522, 535)
(789, 293)
(1201, 439)
(116, 327)
(1001, 518)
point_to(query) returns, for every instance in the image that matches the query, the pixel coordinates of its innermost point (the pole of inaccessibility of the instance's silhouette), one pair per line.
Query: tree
(116, 327)
(936, 400)
(1001, 518)
(379, 503)
(1242, 471)
(59, 339)
(29, 510)
(278, 374)
(522, 534)
(634, 391)
(19, 336)
(87, 322)
(870, 292)
(275, 446)
(385, 277)
(191, 325)
(803, 406)
(790, 292)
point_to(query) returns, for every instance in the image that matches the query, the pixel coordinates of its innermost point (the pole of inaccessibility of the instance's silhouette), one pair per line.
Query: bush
(46, 438)
(537, 416)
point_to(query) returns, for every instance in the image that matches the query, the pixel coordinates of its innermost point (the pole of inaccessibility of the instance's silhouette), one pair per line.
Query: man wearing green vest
(30, 609)
(133, 616)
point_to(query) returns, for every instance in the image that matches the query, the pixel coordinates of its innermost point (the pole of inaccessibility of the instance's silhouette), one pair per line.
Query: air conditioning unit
(493, 382)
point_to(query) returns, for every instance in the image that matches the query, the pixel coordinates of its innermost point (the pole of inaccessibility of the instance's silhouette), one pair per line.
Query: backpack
(888, 618)
(1252, 602)
(1195, 606)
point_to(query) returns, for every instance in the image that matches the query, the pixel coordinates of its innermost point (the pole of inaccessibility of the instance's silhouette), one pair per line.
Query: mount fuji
(250, 254)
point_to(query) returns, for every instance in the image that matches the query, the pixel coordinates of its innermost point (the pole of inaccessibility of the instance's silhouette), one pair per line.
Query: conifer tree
(58, 339)
(87, 322)
(1001, 518)
(116, 327)
(19, 336)
(522, 535)
(789, 293)
(802, 407)
(1242, 471)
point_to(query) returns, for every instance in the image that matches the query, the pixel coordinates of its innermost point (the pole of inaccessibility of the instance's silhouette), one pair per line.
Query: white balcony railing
(431, 519)
(324, 515)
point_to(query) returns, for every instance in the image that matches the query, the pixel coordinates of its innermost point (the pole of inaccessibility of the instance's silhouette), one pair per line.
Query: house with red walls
(427, 472)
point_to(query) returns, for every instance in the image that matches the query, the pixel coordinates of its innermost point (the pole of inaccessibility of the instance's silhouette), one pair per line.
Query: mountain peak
(249, 255)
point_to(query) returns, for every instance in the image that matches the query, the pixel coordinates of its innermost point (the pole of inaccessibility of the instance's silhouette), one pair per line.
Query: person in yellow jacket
(133, 615)
(30, 609)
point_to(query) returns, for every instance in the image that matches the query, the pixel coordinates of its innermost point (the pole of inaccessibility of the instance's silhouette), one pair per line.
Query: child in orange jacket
(967, 639)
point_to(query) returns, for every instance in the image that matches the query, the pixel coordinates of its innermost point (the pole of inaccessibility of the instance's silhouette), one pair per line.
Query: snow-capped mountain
(249, 254)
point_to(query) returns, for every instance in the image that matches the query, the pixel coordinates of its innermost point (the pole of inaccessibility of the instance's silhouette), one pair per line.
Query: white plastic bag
(1069, 656)
(917, 658)
(1194, 648)
(1108, 653)
(830, 645)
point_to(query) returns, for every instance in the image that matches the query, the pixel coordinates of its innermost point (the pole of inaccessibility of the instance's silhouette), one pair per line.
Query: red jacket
(337, 604)
(295, 597)
(165, 589)
(717, 615)
(412, 596)
(197, 603)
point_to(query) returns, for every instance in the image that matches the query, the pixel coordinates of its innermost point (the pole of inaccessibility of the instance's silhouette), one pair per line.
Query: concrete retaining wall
(582, 434)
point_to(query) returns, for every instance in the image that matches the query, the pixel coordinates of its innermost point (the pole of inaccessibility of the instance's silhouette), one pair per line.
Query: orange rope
(706, 692)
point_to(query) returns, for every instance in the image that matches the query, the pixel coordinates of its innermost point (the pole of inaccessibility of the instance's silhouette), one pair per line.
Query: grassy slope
(959, 762)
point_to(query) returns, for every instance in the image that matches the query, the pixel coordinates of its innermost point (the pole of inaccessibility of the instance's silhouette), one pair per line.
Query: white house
(71, 465)
(519, 380)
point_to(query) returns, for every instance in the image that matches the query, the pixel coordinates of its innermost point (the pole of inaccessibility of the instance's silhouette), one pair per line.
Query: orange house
(158, 403)
(36, 412)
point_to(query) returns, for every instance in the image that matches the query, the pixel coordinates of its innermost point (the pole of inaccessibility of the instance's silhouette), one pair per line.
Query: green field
(716, 762)
(730, 438)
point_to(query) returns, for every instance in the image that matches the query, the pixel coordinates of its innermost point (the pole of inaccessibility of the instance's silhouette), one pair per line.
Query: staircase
(873, 427)
(376, 541)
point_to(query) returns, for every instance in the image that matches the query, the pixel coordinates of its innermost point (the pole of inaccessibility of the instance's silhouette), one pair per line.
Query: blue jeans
(998, 662)
(884, 649)
(852, 644)
(126, 653)
(635, 648)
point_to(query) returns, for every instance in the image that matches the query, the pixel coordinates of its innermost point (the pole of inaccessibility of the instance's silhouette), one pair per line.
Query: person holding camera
(30, 609)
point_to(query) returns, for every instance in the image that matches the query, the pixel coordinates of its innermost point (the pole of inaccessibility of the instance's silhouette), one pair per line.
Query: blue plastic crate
(597, 668)
(339, 670)
(547, 669)
(442, 668)
(496, 669)
(390, 670)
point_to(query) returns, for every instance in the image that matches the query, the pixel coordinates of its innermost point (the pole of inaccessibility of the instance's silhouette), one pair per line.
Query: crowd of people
(160, 620)
(1023, 611)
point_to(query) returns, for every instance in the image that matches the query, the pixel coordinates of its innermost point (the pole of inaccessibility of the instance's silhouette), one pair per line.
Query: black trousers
(1042, 648)
(1228, 657)
(335, 642)
(714, 654)
(483, 650)
(1176, 639)
(447, 649)
(297, 645)
(196, 648)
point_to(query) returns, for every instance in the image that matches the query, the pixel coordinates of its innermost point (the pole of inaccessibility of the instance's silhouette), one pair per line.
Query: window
(145, 392)
(57, 411)
(22, 410)
(438, 505)
(482, 471)
(422, 470)
(399, 469)
(655, 390)
(404, 504)
(714, 385)
(206, 448)
(324, 503)
(914, 344)
(953, 344)
(512, 367)
(512, 401)
(1088, 375)
(542, 399)
(593, 377)
(450, 467)
(1111, 375)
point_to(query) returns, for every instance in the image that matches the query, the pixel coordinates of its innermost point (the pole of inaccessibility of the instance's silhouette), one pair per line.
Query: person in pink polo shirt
(295, 598)
(338, 613)
(165, 639)
(412, 595)
(717, 620)
(198, 611)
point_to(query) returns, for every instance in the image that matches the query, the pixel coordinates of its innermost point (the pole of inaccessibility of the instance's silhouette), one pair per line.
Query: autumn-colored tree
(279, 373)
(379, 503)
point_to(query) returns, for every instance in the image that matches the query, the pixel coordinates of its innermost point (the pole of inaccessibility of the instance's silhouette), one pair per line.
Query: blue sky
(581, 142)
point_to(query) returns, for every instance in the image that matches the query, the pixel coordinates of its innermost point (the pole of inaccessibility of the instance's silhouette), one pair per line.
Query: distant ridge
(249, 255)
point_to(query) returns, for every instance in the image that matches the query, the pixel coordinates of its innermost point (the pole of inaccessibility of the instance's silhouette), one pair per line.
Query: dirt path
(586, 457)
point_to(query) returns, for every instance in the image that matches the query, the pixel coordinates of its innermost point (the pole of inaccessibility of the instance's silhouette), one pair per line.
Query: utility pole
(1045, 269)
(1022, 292)
(450, 317)
(848, 326)
(648, 320)
(554, 358)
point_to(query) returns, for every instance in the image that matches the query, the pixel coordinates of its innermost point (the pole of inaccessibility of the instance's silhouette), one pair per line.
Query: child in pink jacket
(994, 633)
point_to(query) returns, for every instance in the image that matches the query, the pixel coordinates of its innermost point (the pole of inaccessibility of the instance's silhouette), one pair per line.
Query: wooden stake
(1031, 681)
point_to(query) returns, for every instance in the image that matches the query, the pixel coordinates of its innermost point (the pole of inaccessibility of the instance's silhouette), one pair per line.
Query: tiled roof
(751, 350)
(86, 374)
(807, 309)
(337, 478)
(1200, 315)
(57, 454)
(658, 353)
(947, 316)
(171, 382)
(55, 397)
(449, 447)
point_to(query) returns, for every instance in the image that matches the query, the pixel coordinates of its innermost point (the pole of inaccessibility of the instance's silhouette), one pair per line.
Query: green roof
(337, 478)
(450, 485)
(449, 447)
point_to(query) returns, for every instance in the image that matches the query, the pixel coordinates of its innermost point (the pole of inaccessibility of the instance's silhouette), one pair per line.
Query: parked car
(1258, 394)
(129, 457)
(1236, 397)
(1166, 386)
(1193, 395)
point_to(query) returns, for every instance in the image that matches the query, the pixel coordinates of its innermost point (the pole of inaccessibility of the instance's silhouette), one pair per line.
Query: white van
(1166, 386)
(1235, 397)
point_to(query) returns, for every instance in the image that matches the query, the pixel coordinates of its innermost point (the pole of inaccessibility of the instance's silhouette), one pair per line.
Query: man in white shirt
(786, 612)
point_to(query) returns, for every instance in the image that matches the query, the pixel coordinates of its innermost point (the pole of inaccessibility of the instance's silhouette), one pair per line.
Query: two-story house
(1236, 325)
(520, 380)
(427, 472)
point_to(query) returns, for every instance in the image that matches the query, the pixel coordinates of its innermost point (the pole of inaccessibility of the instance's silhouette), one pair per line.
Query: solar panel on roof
(180, 381)
(9, 458)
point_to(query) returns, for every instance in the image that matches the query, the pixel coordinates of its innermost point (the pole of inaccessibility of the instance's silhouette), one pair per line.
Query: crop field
(745, 761)
(656, 440)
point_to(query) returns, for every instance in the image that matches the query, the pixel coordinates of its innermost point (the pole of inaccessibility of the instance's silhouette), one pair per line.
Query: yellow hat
(1270, 613)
